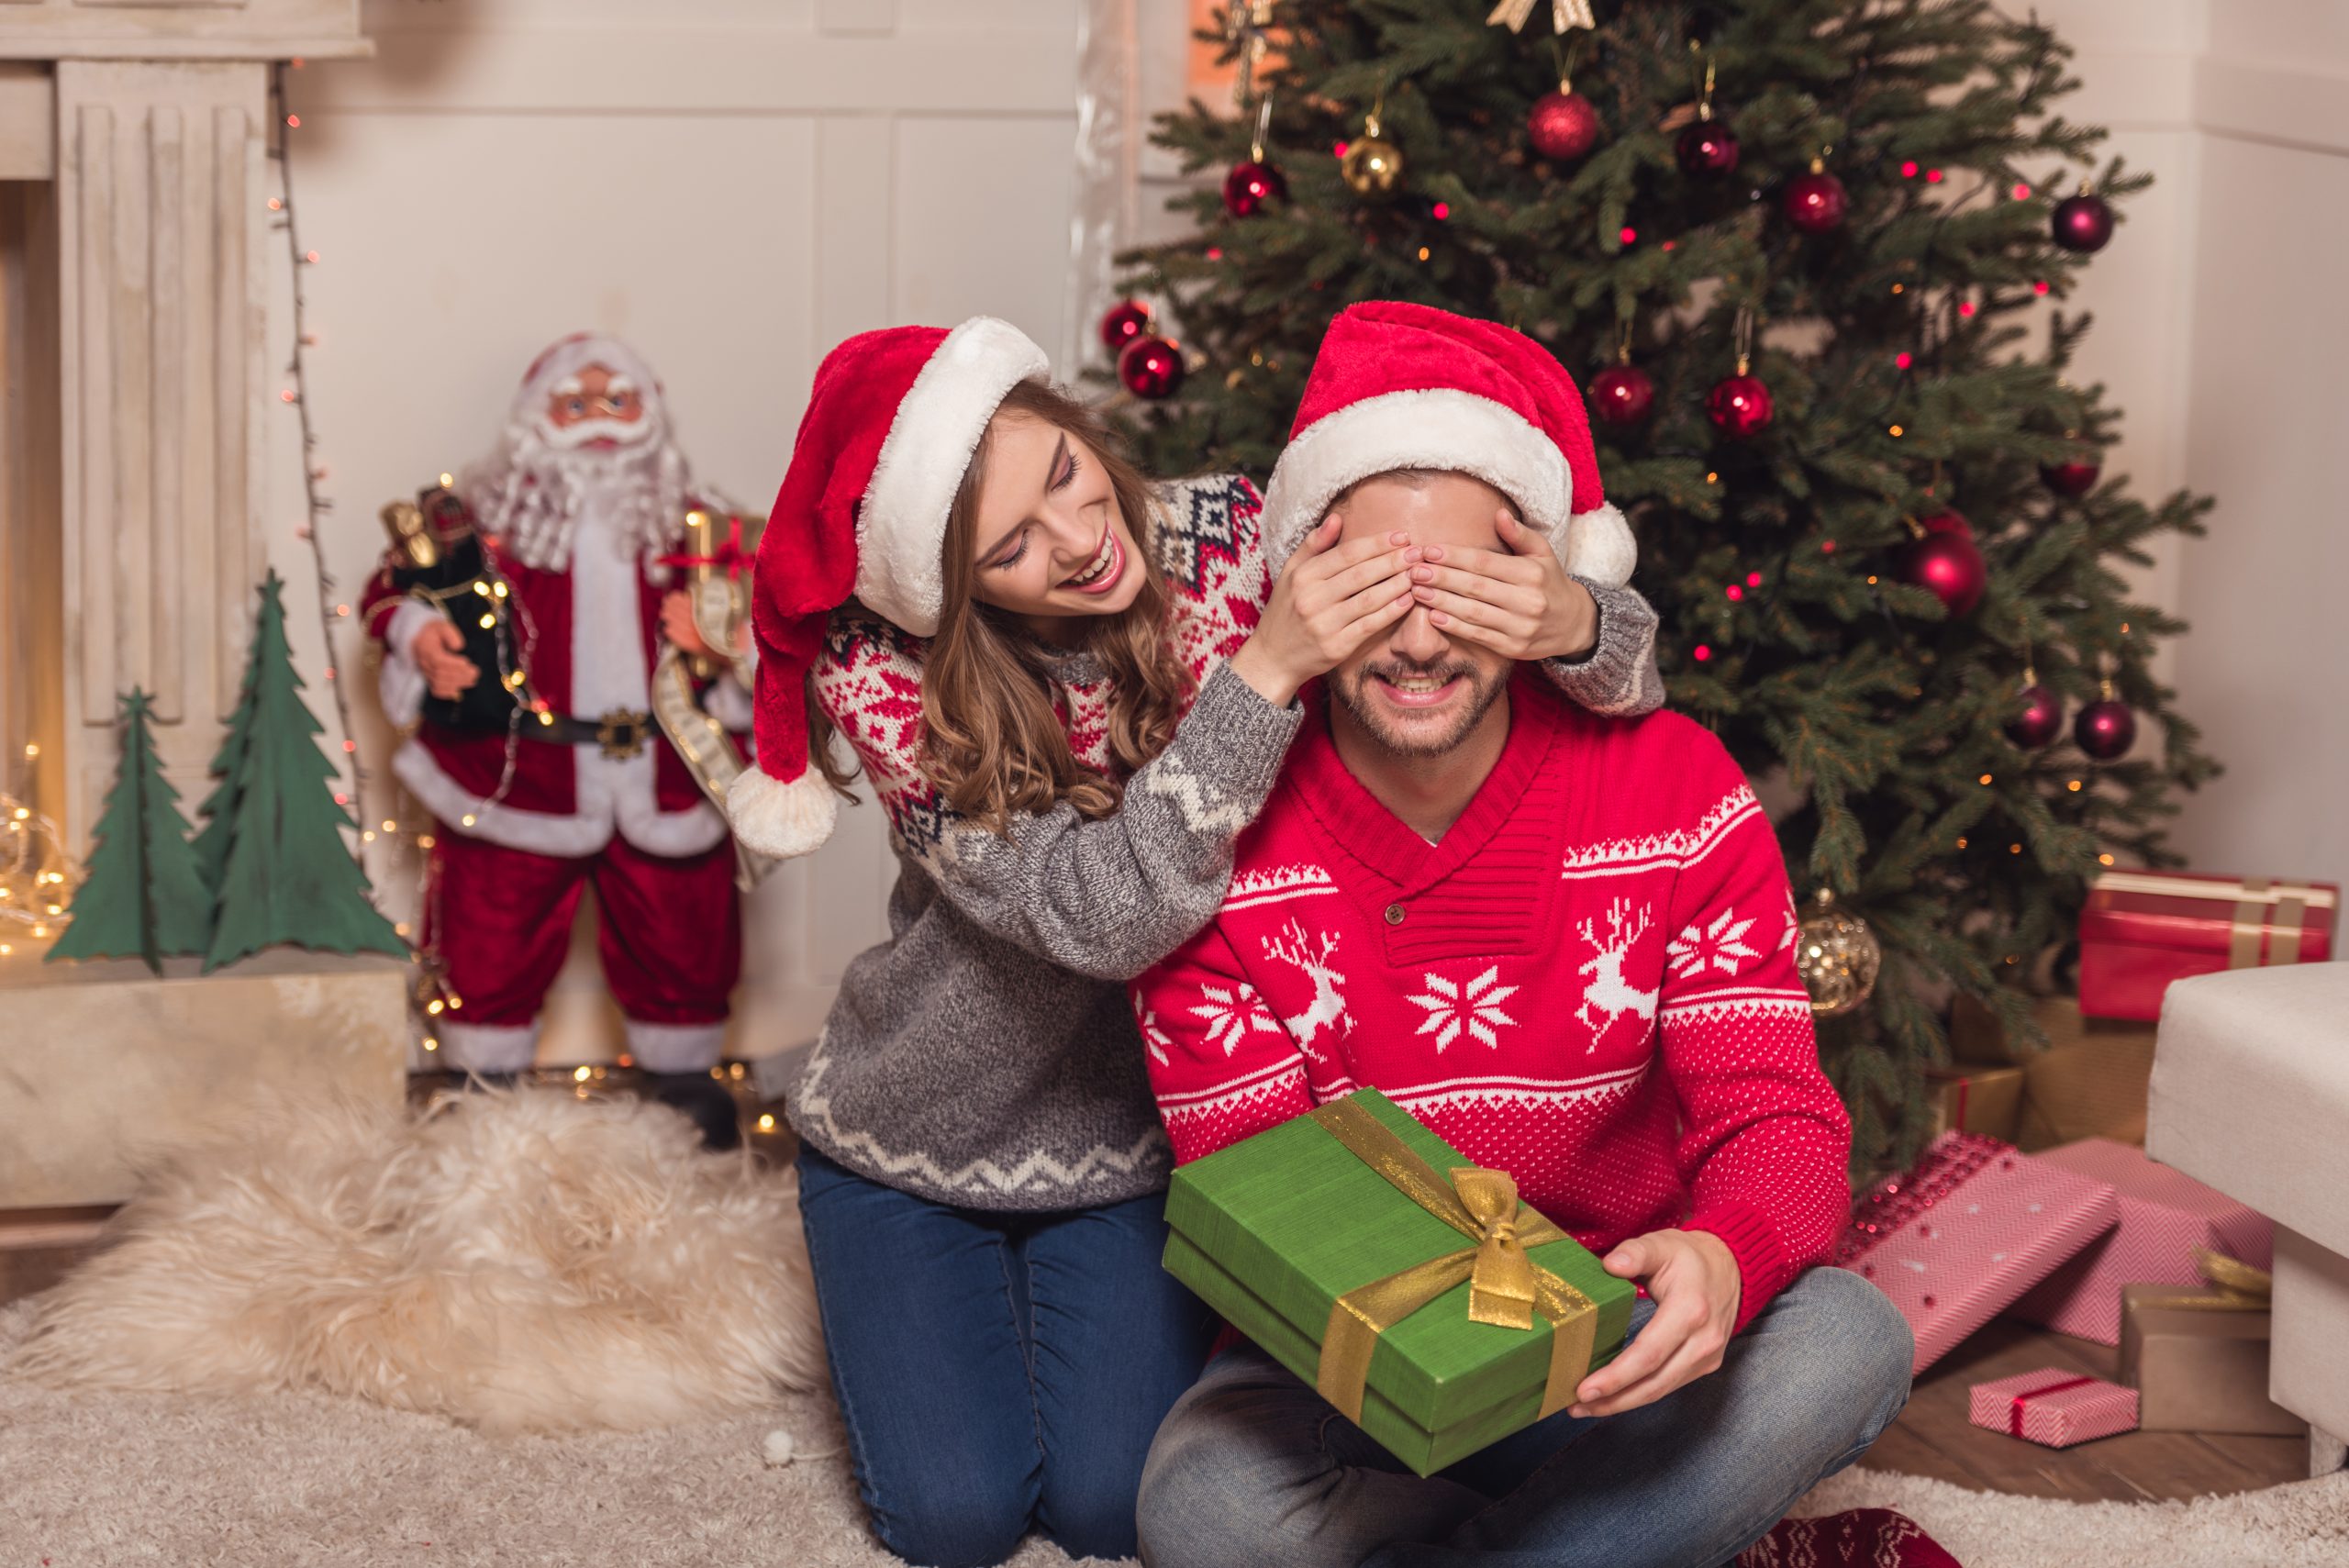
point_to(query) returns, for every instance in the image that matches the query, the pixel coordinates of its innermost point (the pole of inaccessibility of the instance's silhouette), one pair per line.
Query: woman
(1071, 692)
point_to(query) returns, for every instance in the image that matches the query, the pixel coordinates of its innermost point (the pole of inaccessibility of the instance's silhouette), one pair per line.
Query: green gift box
(1324, 1241)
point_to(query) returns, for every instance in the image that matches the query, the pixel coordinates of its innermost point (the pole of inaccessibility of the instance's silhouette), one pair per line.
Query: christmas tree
(288, 877)
(145, 897)
(1807, 258)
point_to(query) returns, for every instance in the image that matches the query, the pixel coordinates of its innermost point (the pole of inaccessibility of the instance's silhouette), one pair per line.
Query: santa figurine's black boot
(705, 1101)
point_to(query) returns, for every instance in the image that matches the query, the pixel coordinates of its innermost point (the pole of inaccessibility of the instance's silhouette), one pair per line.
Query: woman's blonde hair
(992, 746)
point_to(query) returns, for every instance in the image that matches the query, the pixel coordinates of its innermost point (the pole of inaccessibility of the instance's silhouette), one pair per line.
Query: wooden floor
(1934, 1437)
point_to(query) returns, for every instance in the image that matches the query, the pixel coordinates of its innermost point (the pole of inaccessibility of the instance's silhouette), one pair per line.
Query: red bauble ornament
(1945, 562)
(1122, 323)
(2106, 729)
(2082, 223)
(1252, 186)
(2041, 721)
(2073, 479)
(1621, 394)
(1150, 367)
(1707, 150)
(1815, 202)
(1562, 125)
(1741, 405)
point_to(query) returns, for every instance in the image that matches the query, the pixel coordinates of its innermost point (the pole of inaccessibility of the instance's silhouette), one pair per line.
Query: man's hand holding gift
(1693, 1279)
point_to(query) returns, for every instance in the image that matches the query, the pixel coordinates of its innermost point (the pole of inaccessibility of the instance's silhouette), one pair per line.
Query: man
(569, 783)
(1565, 943)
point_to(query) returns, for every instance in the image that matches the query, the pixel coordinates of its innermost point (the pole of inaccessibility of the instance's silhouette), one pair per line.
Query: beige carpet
(90, 1480)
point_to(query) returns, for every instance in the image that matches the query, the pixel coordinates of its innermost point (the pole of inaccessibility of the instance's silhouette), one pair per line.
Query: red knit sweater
(1590, 983)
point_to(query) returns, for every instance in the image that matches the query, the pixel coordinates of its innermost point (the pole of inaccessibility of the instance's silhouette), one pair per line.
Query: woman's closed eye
(1012, 558)
(1068, 474)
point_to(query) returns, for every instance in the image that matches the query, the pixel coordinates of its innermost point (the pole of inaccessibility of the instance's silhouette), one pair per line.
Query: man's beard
(1485, 689)
(529, 493)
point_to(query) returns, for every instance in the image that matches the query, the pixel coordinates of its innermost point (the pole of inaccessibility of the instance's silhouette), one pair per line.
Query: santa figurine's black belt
(621, 733)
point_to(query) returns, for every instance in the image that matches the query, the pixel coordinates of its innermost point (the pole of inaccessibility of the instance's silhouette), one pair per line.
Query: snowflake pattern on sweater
(1583, 984)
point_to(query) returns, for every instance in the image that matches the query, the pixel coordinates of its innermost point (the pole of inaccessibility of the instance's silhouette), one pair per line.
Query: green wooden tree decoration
(145, 897)
(219, 807)
(289, 877)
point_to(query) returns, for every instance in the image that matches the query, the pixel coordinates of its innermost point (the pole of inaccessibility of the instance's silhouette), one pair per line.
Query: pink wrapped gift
(2052, 1407)
(2164, 1215)
(1974, 1225)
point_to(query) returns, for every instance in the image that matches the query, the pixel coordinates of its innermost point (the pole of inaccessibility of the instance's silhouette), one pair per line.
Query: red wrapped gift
(1956, 1239)
(2143, 930)
(2052, 1407)
(2164, 1215)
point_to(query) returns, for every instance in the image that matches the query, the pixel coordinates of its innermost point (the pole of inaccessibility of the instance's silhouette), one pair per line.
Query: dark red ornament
(2041, 721)
(2074, 479)
(1816, 202)
(2105, 728)
(1252, 186)
(1124, 322)
(1622, 394)
(1707, 150)
(2082, 223)
(1741, 405)
(1945, 562)
(1150, 367)
(1562, 125)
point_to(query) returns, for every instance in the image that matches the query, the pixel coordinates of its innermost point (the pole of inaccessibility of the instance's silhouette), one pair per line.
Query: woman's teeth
(1101, 559)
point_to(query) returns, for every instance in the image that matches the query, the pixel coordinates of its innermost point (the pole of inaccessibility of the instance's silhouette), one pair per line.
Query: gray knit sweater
(985, 1055)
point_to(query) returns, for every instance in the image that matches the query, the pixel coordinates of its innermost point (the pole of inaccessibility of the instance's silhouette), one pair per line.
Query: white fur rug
(551, 1269)
(520, 1262)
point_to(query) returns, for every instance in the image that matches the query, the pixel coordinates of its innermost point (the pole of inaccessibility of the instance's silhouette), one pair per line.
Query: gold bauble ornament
(1373, 165)
(1837, 956)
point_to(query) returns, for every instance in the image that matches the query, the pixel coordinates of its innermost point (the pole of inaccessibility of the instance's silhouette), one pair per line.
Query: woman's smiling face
(1051, 543)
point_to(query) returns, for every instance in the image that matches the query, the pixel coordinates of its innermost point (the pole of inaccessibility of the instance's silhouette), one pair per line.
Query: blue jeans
(1254, 1467)
(996, 1372)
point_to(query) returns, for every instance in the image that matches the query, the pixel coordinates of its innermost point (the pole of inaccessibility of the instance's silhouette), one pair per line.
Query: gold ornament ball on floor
(1373, 165)
(1837, 956)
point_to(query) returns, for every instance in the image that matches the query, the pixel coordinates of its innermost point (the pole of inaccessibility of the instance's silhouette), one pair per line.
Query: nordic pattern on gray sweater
(985, 1054)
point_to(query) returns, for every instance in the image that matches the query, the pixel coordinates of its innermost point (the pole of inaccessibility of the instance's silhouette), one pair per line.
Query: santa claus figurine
(528, 661)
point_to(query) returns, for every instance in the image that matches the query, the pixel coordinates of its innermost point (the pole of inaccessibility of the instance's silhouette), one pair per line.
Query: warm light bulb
(580, 1074)
(767, 1124)
(466, 820)
(487, 622)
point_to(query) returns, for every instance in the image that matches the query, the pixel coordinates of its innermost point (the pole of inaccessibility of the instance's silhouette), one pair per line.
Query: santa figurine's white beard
(530, 491)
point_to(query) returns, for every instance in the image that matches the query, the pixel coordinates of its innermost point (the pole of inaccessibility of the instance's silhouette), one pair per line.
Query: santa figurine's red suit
(581, 516)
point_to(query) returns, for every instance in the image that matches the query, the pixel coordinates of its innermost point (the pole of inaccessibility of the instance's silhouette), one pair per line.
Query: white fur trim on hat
(1447, 429)
(783, 818)
(901, 527)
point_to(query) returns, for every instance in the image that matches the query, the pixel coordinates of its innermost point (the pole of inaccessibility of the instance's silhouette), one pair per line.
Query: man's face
(1412, 689)
(599, 407)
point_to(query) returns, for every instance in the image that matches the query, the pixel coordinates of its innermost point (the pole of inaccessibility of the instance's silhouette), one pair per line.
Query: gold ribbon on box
(2254, 898)
(1506, 1288)
(2234, 1286)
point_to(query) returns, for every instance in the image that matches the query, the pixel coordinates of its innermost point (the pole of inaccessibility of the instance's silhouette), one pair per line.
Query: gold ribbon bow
(1504, 1286)
(2235, 1287)
(1564, 14)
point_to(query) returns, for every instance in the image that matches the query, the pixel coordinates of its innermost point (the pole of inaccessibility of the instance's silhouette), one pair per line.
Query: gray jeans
(1253, 1466)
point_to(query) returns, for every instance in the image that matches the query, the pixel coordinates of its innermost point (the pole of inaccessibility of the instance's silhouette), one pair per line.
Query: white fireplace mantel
(136, 266)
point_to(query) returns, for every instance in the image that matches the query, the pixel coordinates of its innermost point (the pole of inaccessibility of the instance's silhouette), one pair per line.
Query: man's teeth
(1100, 561)
(1418, 683)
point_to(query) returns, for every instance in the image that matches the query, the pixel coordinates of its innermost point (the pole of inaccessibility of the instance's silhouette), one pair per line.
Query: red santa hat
(1398, 385)
(891, 424)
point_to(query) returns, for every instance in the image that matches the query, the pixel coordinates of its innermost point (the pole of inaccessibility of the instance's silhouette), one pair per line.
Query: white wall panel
(734, 186)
